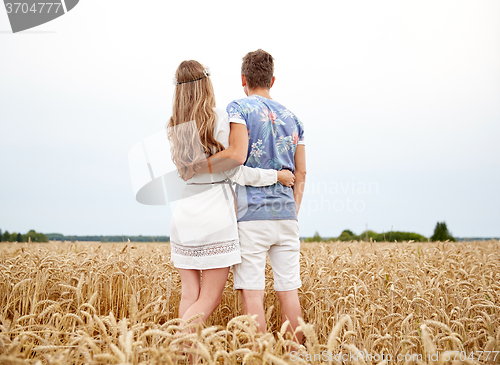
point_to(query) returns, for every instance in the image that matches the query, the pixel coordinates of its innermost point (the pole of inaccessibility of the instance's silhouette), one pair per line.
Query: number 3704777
(476, 355)
(34, 8)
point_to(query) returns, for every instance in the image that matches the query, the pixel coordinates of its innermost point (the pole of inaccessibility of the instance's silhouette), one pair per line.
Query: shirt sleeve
(244, 175)
(234, 112)
(300, 127)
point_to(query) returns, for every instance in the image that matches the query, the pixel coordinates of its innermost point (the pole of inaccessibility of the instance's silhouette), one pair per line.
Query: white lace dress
(203, 230)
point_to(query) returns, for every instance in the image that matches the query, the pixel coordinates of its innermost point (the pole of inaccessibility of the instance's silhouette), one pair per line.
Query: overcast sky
(400, 103)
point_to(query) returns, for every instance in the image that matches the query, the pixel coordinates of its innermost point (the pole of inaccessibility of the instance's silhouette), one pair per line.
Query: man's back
(267, 224)
(274, 133)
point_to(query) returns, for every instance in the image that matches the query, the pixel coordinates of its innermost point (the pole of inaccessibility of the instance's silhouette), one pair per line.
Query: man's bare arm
(235, 155)
(300, 174)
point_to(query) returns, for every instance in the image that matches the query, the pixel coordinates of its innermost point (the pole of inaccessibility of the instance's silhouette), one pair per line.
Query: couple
(212, 228)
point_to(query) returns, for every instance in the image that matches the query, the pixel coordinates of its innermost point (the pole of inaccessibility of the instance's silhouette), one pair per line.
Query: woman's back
(221, 134)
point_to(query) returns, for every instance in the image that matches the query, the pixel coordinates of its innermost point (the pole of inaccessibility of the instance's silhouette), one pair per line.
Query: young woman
(204, 234)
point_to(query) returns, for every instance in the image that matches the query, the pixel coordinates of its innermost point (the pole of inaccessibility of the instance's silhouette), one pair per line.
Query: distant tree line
(61, 237)
(441, 233)
(31, 236)
(348, 235)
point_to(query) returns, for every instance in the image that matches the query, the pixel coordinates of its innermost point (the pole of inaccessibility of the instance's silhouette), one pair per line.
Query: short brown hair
(258, 69)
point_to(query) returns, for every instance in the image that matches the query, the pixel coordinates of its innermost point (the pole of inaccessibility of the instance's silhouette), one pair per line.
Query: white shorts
(279, 239)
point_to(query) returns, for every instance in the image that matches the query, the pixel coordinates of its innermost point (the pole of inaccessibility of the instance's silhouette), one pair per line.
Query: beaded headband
(206, 73)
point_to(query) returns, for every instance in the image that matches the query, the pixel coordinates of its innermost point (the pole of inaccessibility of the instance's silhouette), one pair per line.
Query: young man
(267, 217)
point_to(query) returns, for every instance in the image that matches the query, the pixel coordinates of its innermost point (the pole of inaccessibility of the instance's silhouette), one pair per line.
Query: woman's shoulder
(221, 114)
(221, 130)
(222, 120)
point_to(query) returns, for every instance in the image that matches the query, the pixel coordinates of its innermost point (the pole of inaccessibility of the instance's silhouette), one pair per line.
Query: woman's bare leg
(208, 297)
(191, 285)
(212, 286)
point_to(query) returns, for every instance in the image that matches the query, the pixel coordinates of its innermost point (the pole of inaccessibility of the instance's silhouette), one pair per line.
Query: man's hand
(189, 172)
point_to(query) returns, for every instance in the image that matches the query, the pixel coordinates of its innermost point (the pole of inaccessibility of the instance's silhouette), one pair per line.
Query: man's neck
(260, 91)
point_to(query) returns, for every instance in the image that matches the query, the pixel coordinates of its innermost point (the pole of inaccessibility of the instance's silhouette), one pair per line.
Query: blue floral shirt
(274, 133)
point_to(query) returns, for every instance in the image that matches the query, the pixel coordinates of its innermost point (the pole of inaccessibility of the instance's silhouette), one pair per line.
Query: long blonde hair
(193, 117)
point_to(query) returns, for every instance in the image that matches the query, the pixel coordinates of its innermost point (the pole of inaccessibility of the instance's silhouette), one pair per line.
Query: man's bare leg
(253, 303)
(290, 309)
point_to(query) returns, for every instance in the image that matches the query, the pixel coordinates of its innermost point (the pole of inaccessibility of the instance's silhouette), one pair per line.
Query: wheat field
(90, 303)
